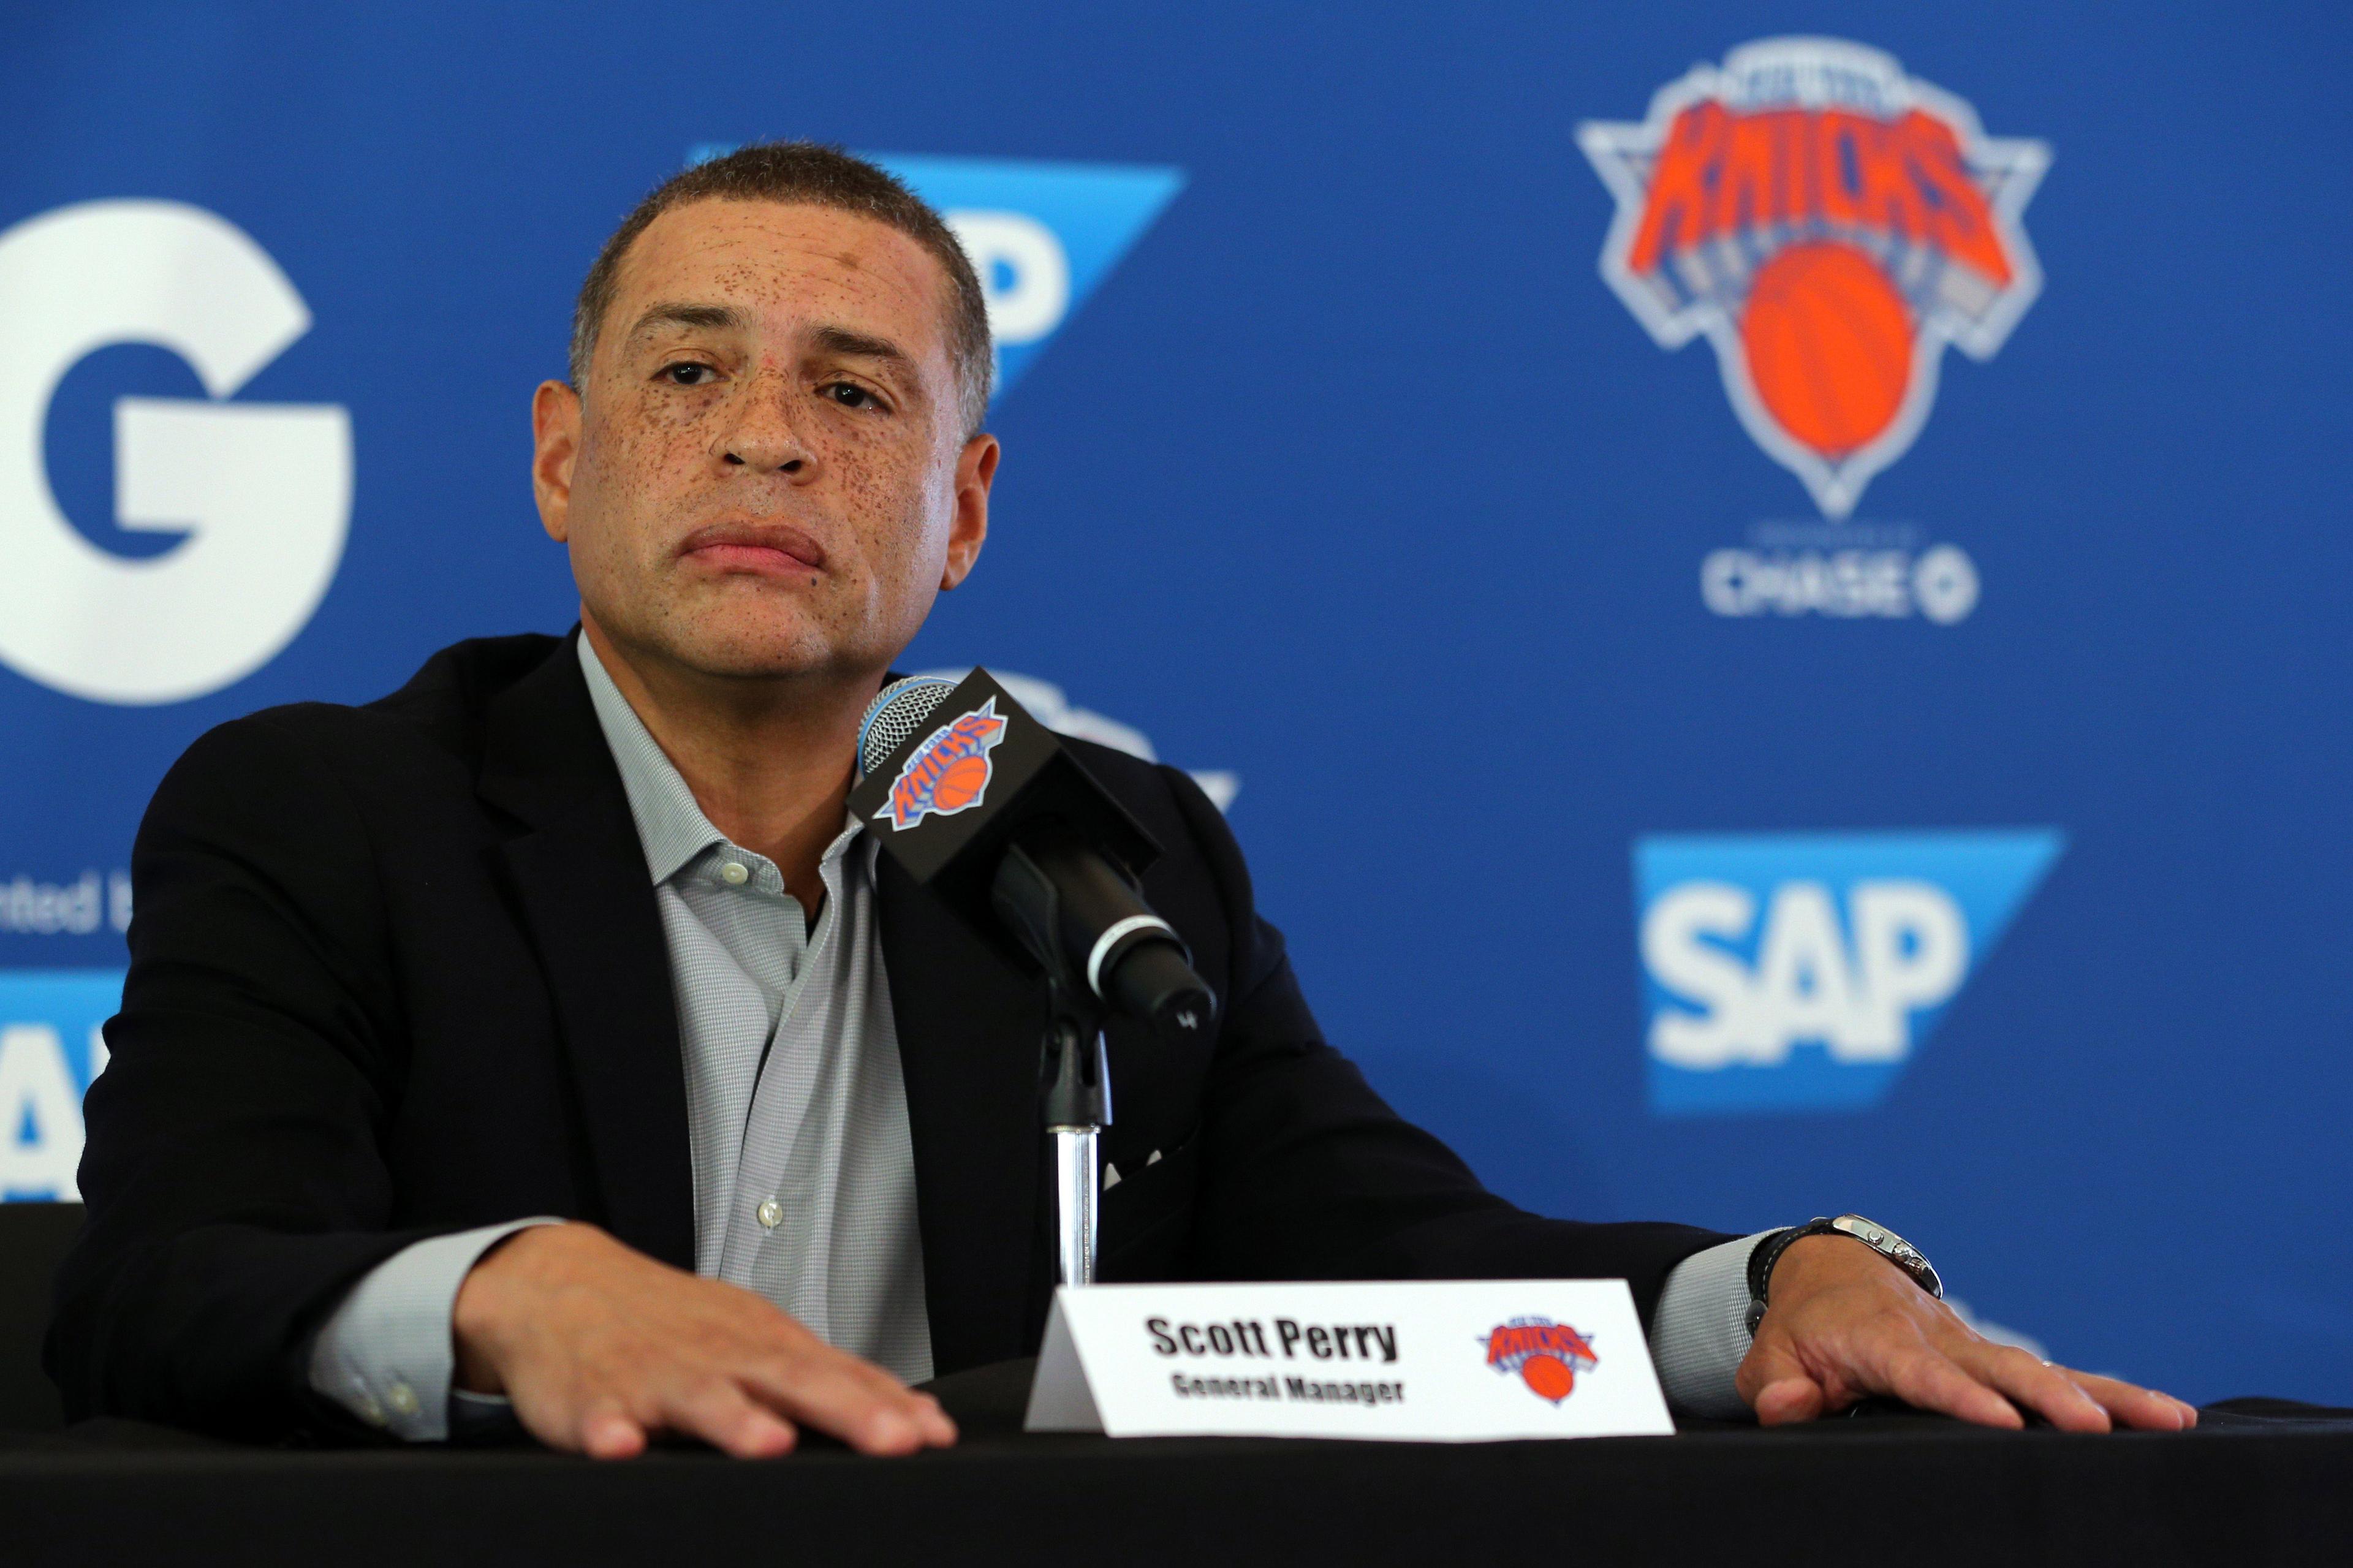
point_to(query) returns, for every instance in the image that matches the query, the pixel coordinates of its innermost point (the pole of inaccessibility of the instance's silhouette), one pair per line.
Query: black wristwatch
(1877, 1237)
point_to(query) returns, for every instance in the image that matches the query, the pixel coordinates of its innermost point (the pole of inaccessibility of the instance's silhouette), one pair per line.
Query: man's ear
(975, 471)
(555, 442)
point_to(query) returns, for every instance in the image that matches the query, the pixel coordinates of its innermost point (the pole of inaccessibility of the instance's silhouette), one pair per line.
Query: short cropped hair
(814, 176)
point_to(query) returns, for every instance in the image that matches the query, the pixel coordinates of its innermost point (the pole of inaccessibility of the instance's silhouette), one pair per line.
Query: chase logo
(1042, 236)
(51, 1050)
(1798, 972)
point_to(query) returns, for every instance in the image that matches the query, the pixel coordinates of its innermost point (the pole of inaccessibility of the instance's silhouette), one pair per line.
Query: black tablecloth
(2259, 1482)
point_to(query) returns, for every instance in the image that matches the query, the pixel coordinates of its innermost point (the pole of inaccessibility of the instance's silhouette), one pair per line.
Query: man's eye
(686, 373)
(850, 394)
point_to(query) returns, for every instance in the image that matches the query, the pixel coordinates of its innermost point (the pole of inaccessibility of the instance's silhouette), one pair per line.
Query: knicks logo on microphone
(949, 771)
(1830, 224)
(1547, 1355)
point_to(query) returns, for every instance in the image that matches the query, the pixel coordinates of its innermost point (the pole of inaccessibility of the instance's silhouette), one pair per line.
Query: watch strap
(1767, 1254)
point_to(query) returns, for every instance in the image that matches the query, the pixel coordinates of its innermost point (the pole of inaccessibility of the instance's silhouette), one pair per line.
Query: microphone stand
(1074, 1083)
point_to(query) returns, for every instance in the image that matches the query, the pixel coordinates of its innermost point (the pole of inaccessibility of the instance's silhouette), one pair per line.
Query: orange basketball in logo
(1829, 343)
(1549, 1377)
(964, 778)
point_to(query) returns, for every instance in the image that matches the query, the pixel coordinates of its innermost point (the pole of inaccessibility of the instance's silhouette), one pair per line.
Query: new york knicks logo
(949, 771)
(1830, 224)
(1547, 1355)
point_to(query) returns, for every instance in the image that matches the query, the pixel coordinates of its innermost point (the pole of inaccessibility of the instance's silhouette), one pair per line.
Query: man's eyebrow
(680, 313)
(842, 340)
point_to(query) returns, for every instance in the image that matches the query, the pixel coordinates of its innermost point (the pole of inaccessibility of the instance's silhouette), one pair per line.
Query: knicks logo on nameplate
(1830, 224)
(1547, 1355)
(949, 771)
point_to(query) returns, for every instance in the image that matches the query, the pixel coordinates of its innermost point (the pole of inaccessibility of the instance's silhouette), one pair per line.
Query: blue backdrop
(1838, 703)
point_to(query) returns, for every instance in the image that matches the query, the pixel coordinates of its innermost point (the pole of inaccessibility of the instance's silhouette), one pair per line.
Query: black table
(2259, 1483)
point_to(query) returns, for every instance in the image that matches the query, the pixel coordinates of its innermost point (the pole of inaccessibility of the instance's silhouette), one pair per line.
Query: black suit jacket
(398, 970)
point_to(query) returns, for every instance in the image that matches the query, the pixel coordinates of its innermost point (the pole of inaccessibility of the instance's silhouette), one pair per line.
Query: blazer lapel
(969, 1028)
(579, 875)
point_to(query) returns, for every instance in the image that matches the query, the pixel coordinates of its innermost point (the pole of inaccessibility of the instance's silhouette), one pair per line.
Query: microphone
(987, 808)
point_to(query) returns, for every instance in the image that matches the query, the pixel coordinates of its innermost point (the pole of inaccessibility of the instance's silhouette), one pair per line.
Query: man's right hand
(599, 1347)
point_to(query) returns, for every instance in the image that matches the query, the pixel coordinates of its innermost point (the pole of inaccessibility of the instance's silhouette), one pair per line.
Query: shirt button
(770, 1213)
(401, 1397)
(735, 874)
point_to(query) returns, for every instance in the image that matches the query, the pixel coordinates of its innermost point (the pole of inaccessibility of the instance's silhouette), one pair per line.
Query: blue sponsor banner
(1495, 437)
(1801, 970)
(51, 1047)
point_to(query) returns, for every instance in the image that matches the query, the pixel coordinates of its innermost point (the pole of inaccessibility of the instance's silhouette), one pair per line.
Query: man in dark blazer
(424, 1099)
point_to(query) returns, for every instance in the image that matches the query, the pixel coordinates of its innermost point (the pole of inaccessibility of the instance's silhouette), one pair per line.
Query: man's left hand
(1843, 1323)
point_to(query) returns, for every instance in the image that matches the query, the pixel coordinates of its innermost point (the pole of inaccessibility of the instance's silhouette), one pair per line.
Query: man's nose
(763, 435)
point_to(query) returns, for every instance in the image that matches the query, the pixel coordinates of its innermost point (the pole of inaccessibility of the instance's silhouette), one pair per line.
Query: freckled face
(768, 475)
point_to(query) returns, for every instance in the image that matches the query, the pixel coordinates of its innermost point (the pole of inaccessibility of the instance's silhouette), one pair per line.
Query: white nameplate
(1447, 1361)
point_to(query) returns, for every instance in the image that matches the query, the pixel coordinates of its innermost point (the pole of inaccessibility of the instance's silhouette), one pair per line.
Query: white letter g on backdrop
(264, 490)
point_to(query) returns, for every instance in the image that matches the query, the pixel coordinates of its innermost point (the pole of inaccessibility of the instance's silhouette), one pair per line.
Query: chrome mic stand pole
(1076, 1077)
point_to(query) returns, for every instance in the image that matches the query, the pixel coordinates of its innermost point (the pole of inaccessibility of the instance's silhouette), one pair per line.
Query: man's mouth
(774, 547)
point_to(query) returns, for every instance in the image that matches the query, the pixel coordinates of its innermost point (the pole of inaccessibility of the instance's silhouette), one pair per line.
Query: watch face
(1893, 1247)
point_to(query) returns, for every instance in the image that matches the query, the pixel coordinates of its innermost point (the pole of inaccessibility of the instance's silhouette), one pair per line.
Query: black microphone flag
(986, 806)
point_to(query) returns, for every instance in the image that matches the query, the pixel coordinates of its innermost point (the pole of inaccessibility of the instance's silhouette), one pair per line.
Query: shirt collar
(671, 825)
